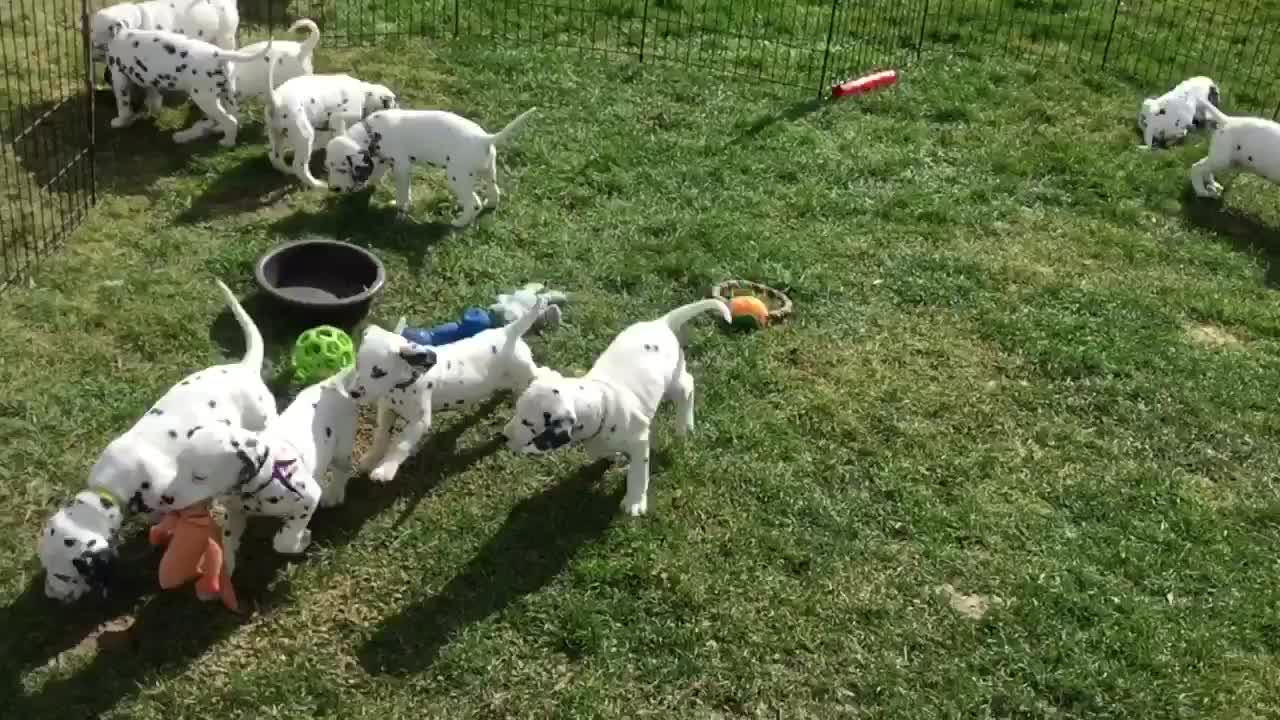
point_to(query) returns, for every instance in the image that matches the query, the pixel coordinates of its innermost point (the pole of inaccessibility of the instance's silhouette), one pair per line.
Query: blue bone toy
(474, 321)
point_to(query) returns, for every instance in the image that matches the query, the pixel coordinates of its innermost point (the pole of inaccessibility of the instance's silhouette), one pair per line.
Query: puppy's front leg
(405, 442)
(124, 102)
(295, 535)
(335, 492)
(636, 501)
(403, 172)
(381, 437)
(232, 532)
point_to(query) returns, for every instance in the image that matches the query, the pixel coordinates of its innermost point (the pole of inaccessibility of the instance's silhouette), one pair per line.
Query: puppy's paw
(292, 543)
(227, 141)
(120, 122)
(384, 473)
(635, 507)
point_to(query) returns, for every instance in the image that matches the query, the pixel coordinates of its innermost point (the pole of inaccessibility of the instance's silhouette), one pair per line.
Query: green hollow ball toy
(320, 352)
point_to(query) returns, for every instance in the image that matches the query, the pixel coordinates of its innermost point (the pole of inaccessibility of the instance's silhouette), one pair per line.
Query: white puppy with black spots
(314, 435)
(1246, 144)
(304, 113)
(169, 61)
(465, 372)
(610, 410)
(195, 443)
(284, 61)
(398, 139)
(1168, 118)
(214, 21)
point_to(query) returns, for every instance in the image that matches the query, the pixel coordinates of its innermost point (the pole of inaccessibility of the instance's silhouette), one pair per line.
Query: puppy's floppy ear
(418, 356)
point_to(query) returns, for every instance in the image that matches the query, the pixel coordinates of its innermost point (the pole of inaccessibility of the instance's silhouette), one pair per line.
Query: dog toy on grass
(320, 352)
(752, 305)
(194, 551)
(866, 83)
(474, 321)
(515, 304)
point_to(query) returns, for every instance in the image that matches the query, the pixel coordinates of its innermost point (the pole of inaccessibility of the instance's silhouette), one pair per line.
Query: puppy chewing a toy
(194, 551)
(320, 353)
(751, 305)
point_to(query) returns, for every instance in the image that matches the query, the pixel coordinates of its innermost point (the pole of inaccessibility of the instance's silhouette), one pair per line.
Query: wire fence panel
(46, 137)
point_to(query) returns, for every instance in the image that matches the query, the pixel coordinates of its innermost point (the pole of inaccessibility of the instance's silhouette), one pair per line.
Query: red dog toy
(194, 551)
(874, 81)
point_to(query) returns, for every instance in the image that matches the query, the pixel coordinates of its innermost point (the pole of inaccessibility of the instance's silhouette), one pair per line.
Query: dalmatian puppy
(302, 114)
(465, 372)
(215, 22)
(1240, 143)
(610, 410)
(286, 59)
(398, 139)
(316, 433)
(193, 444)
(168, 61)
(1168, 118)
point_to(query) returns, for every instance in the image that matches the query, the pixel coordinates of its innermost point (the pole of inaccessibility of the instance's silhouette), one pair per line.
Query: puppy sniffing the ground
(1168, 118)
(610, 410)
(398, 139)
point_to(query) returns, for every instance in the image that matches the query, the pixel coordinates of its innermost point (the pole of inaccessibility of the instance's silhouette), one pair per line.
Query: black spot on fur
(273, 500)
(167, 499)
(69, 542)
(328, 432)
(192, 431)
(613, 429)
(169, 48)
(377, 372)
(155, 411)
(213, 404)
(173, 433)
(145, 485)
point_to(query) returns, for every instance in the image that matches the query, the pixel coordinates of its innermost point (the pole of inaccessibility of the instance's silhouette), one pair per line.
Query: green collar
(110, 497)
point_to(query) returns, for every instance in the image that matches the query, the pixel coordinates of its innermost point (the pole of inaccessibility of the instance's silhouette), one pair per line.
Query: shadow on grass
(251, 185)
(792, 112)
(1245, 232)
(350, 217)
(538, 540)
(170, 630)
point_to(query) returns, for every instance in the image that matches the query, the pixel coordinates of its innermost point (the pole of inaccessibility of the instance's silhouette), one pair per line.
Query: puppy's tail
(253, 348)
(273, 100)
(313, 37)
(506, 132)
(1216, 116)
(683, 314)
(226, 56)
(519, 327)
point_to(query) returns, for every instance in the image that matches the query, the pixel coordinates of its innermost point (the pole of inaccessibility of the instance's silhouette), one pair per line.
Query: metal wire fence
(46, 110)
(809, 44)
(46, 137)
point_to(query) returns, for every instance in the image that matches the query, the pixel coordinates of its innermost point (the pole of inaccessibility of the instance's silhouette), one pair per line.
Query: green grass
(1023, 364)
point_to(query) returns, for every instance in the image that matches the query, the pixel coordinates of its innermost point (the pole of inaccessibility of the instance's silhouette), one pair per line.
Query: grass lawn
(1012, 457)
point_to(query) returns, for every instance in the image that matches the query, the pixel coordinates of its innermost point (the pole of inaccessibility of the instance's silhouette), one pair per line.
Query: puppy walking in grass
(610, 410)
(398, 139)
(1246, 144)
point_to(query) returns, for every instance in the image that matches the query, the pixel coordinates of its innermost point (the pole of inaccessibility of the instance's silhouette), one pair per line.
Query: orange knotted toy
(194, 551)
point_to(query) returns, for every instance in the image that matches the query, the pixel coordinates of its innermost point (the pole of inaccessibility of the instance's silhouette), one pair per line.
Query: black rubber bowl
(322, 280)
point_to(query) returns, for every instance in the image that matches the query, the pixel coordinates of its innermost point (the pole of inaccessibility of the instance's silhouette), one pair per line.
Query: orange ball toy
(749, 311)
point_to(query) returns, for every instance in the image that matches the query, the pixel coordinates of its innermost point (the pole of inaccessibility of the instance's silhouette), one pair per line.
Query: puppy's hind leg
(681, 393)
(303, 144)
(124, 101)
(636, 501)
(489, 181)
(464, 189)
(404, 181)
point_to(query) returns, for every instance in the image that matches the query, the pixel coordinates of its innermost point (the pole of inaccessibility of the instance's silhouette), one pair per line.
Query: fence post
(86, 41)
(1110, 33)
(644, 28)
(924, 19)
(826, 55)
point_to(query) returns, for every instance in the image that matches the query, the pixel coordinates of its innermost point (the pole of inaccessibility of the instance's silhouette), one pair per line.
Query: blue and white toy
(474, 321)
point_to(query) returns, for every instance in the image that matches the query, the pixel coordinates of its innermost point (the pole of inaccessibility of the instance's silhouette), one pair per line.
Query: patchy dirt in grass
(1210, 335)
(974, 607)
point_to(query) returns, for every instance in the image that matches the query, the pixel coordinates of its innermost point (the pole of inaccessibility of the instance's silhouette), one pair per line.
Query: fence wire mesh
(46, 122)
(810, 44)
(46, 173)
